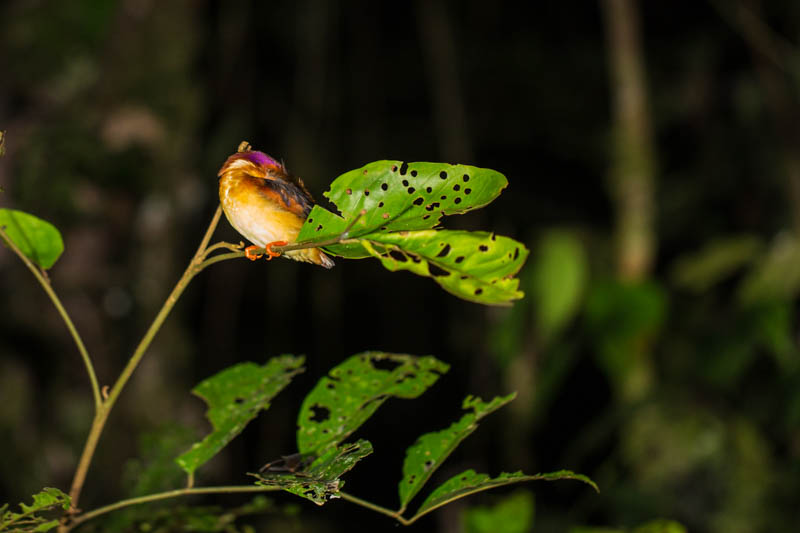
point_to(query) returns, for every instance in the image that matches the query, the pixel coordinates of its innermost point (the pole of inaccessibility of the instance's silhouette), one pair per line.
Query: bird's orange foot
(250, 253)
(268, 249)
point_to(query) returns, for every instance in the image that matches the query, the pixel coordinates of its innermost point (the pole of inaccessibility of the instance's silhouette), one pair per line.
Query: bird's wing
(288, 195)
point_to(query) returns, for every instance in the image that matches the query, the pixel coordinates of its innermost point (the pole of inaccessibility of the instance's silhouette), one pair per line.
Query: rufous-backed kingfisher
(266, 204)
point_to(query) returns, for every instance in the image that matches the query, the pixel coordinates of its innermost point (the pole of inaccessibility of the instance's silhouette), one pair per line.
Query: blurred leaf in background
(511, 514)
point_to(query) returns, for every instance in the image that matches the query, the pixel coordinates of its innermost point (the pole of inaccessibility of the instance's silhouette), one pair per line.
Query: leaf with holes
(469, 482)
(407, 196)
(321, 481)
(37, 239)
(430, 451)
(390, 208)
(49, 499)
(352, 392)
(234, 397)
(473, 265)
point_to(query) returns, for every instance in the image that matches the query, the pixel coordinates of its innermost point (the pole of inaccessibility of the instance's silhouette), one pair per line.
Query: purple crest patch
(260, 158)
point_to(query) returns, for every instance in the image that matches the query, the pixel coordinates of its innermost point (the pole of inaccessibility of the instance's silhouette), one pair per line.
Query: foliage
(512, 514)
(321, 481)
(29, 519)
(353, 391)
(39, 240)
(235, 396)
(391, 208)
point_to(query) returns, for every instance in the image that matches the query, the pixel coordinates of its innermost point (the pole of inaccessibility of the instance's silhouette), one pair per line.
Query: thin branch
(164, 496)
(41, 277)
(102, 414)
(374, 507)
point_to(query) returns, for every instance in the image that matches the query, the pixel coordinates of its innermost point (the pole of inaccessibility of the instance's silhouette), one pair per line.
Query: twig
(164, 496)
(195, 266)
(44, 281)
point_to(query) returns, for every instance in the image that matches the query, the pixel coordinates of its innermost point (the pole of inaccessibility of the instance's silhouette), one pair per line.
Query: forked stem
(195, 266)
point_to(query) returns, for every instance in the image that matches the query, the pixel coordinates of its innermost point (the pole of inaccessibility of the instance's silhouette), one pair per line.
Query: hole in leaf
(456, 187)
(403, 169)
(459, 258)
(384, 228)
(411, 479)
(478, 292)
(516, 253)
(419, 201)
(405, 183)
(320, 413)
(466, 178)
(414, 173)
(310, 220)
(437, 272)
(319, 227)
(385, 364)
(349, 191)
(330, 386)
(398, 256)
(384, 186)
(457, 201)
(483, 248)
(444, 197)
(380, 204)
(493, 237)
(429, 189)
(425, 217)
(428, 465)
(445, 251)
(238, 401)
(467, 190)
(366, 192)
(394, 168)
(443, 175)
(464, 277)
(411, 190)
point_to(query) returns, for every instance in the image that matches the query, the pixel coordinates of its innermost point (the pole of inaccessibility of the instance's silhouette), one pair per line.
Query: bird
(266, 204)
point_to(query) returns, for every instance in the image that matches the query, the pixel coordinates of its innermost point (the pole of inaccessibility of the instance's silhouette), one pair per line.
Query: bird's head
(254, 163)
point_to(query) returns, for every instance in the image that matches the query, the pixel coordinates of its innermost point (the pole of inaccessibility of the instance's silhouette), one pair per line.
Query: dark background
(671, 380)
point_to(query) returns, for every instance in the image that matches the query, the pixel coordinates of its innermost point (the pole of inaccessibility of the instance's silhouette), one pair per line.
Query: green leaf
(39, 240)
(392, 208)
(413, 195)
(426, 455)
(321, 481)
(558, 278)
(47, 500)
(469, 482)
(699, 271)
(234, 397)
(513, 514)
(353, 391)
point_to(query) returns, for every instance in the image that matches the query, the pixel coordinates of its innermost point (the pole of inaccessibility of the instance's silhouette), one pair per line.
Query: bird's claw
(268, 249)
(251, 254)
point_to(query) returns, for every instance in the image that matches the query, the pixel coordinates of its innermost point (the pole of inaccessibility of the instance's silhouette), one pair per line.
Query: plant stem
(48, 288)
(374, 507)
(164, 496)
(105, 408)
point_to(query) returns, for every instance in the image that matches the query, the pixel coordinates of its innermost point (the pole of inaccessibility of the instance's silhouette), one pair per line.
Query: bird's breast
(255, 211)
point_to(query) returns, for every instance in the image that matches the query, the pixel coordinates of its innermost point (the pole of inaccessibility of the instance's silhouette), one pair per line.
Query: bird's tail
(311, 255)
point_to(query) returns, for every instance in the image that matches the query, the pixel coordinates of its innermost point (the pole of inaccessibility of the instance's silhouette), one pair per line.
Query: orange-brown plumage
(265, 204)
